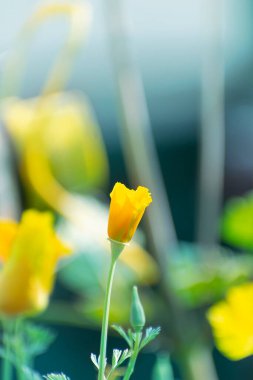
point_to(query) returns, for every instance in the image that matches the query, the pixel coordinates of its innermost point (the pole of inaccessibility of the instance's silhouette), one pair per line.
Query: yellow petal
(27, 277)
(126, 210)
(232, 322)
(8, 231)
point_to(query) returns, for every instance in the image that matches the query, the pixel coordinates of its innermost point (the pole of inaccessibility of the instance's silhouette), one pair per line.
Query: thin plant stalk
(143, 167)
(132, 361)
(135, 127)
(6, 363)
(116, 249)
(19, 349)
(104, 331)
(212, 127)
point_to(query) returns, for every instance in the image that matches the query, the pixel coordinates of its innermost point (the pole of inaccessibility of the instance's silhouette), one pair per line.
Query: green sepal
(116, 248)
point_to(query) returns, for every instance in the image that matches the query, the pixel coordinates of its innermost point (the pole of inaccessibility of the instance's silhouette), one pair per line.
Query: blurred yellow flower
(126, 210)
(58, 143)
(29, 252)
(232, 322)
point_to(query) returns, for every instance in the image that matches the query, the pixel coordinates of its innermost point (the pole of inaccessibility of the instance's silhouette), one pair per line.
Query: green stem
(132, 361)
(19, 349)
(6, 367)
(103, 342)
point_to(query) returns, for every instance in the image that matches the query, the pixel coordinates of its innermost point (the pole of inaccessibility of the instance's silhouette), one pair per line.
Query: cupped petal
(126, 210)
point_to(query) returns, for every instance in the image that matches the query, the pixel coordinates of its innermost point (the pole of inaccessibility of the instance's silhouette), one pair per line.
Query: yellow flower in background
(126, 210)
(60, 134)
(29, 252)
(232, 322)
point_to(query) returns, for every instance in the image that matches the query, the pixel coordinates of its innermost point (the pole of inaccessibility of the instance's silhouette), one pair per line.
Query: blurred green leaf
(31, 375)
(37, 339)
(237, 222)
(54, 376)
(201, 275)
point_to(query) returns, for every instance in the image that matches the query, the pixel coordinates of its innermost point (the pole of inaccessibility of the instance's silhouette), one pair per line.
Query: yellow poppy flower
(29, 252)
(126, 210)
(232, 322)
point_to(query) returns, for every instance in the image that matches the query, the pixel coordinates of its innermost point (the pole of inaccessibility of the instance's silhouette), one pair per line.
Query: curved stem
(79, 19)
(132, 361)
(103, 342)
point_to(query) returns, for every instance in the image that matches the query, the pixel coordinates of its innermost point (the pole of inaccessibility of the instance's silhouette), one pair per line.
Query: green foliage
(201, 275)
(151, 334)
(123, 334)
(162, 369)
(237, 222)
(136, 342)
(118, 358)
(130, 336)
(54, 376)
(25, 341)
(37, 339)
(31, 375)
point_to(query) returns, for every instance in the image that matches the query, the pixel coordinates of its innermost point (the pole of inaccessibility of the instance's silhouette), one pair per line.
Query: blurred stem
(198, 363)
(212, 128)
(9, 198)
(79, 19)
(6, 364)
(116, 249)
(143, 167)
(132, 361)
(136, 133)
(19, 349)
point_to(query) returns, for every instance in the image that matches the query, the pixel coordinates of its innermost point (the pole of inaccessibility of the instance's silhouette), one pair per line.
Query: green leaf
(123, 334)
(151, 334)
(202, 275)
(237, 222)
(94, 360)
(115, 357)
(131, 336)
(125, 355)
(54, 376)
(31, 375)
(37, 339)
(10, 356)
(118, 357)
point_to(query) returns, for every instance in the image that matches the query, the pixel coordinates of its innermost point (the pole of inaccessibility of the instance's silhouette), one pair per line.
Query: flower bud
(137, 317)
(126, 210)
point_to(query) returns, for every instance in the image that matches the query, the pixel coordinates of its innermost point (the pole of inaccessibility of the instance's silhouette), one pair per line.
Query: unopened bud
(137, 317)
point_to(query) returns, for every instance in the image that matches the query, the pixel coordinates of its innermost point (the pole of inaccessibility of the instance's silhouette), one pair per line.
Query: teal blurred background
(166, 40)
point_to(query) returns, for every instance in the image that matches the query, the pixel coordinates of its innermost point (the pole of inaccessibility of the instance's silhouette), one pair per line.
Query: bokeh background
(194, 60)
